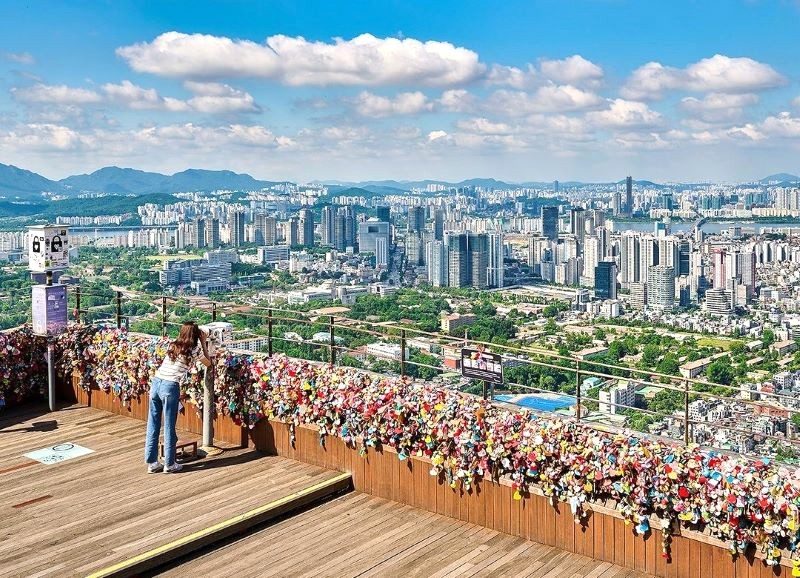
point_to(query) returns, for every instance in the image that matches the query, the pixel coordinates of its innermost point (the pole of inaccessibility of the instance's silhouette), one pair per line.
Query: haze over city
(519, 91)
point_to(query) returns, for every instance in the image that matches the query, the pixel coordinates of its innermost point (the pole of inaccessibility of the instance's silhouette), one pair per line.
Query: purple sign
(49, 305)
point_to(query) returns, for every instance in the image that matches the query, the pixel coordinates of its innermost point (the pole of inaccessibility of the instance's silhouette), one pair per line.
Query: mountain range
(18, 184)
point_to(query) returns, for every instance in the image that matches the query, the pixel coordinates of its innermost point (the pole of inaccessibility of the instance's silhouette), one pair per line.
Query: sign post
(482, 365)
(48, 253)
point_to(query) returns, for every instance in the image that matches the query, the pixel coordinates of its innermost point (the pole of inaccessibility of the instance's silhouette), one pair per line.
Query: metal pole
(163, 316)
(332, 341)
(485, 394)
(119, 309)
(213, 311)
(78, 304)
(578, 392)
(51, 375)
(269, 331)
(209, 449)
(403, 352)
(686, 412)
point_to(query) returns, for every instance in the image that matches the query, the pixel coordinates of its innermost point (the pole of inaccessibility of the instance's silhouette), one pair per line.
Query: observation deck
(329, 470)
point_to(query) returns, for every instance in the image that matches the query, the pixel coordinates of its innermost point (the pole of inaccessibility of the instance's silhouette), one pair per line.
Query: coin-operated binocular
(218, 333)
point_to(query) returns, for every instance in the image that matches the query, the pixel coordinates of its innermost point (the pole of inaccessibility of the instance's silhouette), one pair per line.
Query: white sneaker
(154, 468)
(176, 467)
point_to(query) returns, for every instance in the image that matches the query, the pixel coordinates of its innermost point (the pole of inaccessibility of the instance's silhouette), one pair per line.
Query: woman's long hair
(186, 341)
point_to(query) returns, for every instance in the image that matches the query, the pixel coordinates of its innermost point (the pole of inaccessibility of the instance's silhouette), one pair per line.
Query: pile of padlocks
(23, 370)
(465, 439)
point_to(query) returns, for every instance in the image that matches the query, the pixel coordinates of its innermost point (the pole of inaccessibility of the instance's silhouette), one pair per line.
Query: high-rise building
(438, 225)
(629, 196)
(199, 233)
(437, 258)
(259, 226)
(661, 287)
(629, 258)
(616, 203)
(383, 213)
(306, 231)
(369, 232)
(381, 251)
(550, 222)
(415, 249)
(345, 230)
(577, 223)
(605, 280)
(292, 234)
(212, 233)
(329, 226)
(495, 272)
(478, 247)
(236, 224)
(720, 274)
(592, 255)
(416, 219)
(458, 262)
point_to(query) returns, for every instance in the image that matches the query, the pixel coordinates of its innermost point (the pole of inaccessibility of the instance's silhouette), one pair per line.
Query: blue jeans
(164, 397)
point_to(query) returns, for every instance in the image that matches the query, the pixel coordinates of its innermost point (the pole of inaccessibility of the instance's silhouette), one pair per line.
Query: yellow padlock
(795, 567)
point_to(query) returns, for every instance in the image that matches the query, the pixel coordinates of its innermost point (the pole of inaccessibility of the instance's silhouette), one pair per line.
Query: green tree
(720, 371)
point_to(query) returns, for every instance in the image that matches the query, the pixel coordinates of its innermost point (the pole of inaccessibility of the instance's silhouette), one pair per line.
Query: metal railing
(337, 327)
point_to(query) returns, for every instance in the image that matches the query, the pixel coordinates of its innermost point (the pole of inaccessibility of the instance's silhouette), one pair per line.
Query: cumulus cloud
(44, 137)
(55, 94)
(457, 100)
(19, 57)
(718, 107)
(574, 70)
(624, 114)
(405, 103)
(217, 98)
(511, 76)
(210, 98)
(484, 126)
(363, 60)
(716, 74)
(550, 98)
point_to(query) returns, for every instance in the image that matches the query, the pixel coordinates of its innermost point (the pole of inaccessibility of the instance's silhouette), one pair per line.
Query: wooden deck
(362, 535)
(93, 511)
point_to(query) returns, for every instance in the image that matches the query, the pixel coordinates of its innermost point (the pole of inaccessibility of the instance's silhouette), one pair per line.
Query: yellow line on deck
(156, 552)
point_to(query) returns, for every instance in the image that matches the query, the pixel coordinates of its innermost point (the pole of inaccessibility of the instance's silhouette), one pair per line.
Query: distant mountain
(780, 178)
(19, 183)
(131, 181)
(401, 186)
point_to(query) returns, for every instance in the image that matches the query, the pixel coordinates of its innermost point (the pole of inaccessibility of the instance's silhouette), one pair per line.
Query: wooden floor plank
(104, 506)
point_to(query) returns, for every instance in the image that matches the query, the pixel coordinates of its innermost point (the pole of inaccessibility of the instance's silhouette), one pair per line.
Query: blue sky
(534, 90)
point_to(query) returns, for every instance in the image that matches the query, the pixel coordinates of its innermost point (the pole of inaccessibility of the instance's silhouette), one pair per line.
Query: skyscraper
(437, 258)
(605, 280)
(306, 230)
(494, 274)
(383, 214)
(381, 251)
(292, 234)
(661, 287)
(629, 196)
(416, 219)
(259, 225)
(550, 222)
(212, 233)
(438, 225)
(199, 233)
(478, 249)
(458, 262)
(577, 223)
(329, 226)
(345, 228)
(236, 224)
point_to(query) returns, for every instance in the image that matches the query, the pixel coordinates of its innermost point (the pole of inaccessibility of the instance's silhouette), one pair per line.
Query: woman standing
(189, 347)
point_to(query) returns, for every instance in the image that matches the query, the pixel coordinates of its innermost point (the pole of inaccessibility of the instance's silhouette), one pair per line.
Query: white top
(176, 370)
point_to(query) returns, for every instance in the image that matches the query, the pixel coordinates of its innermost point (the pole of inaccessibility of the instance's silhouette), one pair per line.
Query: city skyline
(527, 91)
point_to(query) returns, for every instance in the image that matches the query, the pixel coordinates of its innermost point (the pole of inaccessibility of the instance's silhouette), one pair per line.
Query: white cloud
(457, 100)
(484, 126)
(716, 74)
(435, 135)
(625, 114)
(217, 98)
(135, 97)
(55, 94)
(550, 98)
(363, 60)
(19, 57)
(782, 125)
(718, 107)
(574, 70)
(44, 137)
(405, 103)
(511, 76)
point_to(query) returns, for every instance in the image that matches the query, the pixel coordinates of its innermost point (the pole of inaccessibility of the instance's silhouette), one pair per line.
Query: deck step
(292, 504)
